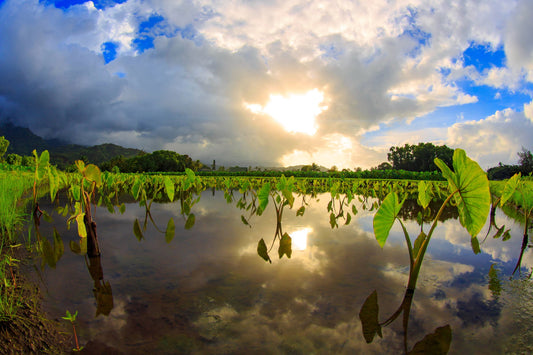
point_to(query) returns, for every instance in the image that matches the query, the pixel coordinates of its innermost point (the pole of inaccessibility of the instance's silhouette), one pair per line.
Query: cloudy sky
(253, 82)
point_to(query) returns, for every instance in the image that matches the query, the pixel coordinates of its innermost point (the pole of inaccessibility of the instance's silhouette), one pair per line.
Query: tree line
(408, 158)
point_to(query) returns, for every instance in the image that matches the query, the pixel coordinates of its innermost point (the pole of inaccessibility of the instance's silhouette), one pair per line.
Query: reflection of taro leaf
(494, 282)
(190, 221)
(348, 219)
(475, 245)
(385, 216)
(369, 317)
(48, 253)
(354, 210)
(104, 299)
(506, 235)
(171, 229)
(262, 250)
(285, 246)
(79, 248)
(122, 208)
(137, 230)
(59, 247)
(434, 343)
(245, 222)
(332, 220)
(499, 232)
(300, 211)
(472, 192)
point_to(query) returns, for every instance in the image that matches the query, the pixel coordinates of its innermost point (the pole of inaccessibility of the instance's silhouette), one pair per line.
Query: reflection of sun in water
(299, 238)
(296, 113)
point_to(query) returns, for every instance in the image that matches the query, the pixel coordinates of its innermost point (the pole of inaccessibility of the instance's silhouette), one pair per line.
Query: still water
(207, 291)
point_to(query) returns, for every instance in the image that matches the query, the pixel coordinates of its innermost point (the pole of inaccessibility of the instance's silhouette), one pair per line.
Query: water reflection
(207, 291)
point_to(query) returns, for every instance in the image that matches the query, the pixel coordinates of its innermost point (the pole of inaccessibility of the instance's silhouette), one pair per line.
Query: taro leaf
(418, 243)
(263, 195)
(385, 216)
(137, 230)
(472, 192)
(285, 246)
(93, 173)
(190, 221)
(190, 175)
(475, 245)
(169, 188)
(171, 230)
(44, 161)
(53, 180)
(510, 188)
(435, 343)
(122, 208)
(288, 196)
(354, 210)
(80, 165)
(59, 247)
(424, 194)
(244, 221)
(136, 188)
(368, 315)
(262, 251)
(76, 192)
(300, 211)
(82, 232)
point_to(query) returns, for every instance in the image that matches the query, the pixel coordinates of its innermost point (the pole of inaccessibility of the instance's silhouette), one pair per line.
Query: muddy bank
(30, 332)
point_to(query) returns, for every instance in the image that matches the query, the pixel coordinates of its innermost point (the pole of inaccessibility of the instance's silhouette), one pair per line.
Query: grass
(12, 186)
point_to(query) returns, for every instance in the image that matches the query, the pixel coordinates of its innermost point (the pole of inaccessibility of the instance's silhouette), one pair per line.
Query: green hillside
(22, 141)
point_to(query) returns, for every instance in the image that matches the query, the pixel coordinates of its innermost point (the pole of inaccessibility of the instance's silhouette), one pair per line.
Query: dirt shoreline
(31, 332)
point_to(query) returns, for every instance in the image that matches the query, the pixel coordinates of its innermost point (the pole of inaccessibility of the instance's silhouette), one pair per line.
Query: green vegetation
(158, 161)
(524, 167)
(469, 190)
(387, 191)
(419, 157)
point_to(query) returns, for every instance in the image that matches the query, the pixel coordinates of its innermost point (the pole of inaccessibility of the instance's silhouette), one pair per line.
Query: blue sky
(200, 77)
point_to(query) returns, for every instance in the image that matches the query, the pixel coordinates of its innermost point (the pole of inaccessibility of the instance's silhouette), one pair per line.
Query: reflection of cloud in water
(299, 238)
(209, 288)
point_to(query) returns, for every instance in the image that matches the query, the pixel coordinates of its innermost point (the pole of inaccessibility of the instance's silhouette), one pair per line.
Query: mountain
(22, 141)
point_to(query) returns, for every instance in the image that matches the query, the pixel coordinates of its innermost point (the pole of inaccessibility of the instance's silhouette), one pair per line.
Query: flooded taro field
(207, 288)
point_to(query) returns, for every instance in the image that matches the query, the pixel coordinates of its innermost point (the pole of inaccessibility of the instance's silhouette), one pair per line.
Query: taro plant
(281, 198)
(72, 319)
(519, 192)
(468, 190)
(84, 194)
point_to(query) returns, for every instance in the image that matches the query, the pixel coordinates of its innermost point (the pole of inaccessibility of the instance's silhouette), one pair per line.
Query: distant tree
(419, 157)
(383, 166)
(312, 167)
(27, 161)
(525, 161)
(160, 160)
(4, 143)
(502, 172)
(14, 159)
(333, 169)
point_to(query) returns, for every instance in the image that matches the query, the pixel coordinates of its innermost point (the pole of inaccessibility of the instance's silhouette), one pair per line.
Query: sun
(295, 112)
